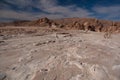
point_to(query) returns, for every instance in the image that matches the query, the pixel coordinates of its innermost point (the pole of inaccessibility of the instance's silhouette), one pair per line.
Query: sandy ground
(65, 55)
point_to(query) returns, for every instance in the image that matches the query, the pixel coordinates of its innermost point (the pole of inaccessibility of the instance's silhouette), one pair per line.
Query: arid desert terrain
(45, 53)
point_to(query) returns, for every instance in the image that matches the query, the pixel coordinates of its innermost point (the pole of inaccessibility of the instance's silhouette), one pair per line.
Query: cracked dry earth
(65, 55)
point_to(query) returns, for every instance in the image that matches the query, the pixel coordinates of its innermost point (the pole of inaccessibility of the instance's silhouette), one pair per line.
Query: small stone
(13, 68)
(33, 51)
(81, 63)
(2, 41)
(44, 70)
(80, 40)
(53, 41)
(37, 44)
(2, 76)
(20, 59)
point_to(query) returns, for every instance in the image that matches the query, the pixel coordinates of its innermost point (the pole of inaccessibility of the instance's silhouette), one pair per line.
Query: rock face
(71, 23)
(42, 22)
(89, 24)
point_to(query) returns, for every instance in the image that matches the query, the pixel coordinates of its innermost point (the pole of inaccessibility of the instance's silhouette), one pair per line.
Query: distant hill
(69, 23)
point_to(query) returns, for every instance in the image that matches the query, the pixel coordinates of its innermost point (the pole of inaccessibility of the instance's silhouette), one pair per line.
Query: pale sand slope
(73, 56)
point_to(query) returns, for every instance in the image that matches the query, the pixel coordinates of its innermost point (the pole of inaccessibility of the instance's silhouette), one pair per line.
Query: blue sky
(34, 9)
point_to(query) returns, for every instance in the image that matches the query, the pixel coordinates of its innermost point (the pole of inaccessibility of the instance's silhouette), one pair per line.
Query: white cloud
(110, 11)
(11, 14)
(47, 3)
(52, 9)
(20, 3)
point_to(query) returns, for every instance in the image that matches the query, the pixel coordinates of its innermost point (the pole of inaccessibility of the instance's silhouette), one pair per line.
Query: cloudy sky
(33, 9)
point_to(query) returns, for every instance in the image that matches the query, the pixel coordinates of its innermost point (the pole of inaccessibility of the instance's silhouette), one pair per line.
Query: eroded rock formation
(71, 23)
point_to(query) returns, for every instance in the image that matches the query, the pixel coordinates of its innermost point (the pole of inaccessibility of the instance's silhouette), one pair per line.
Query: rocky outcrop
(41, 22)
(89, 24)
(71, 23)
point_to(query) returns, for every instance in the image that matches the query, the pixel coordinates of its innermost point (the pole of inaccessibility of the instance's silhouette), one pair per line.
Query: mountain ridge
(93, 24)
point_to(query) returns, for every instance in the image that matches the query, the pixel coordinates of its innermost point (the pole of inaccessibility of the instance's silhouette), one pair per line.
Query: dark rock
(37, 44)
(80, 40)
(2, 41)
(2, 76)
(13, 68)
(44, 70)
